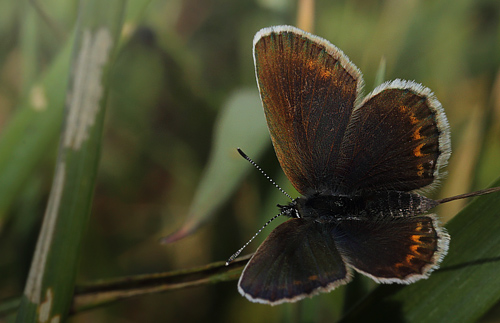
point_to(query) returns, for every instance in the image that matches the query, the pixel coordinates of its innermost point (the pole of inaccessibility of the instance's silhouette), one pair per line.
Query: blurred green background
(180, 69)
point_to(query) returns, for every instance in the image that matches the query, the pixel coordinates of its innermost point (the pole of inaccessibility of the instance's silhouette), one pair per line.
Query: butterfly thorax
(328, 207)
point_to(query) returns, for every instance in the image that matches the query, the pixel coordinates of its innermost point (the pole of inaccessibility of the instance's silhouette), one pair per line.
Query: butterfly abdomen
(398, 204)
(330, 208)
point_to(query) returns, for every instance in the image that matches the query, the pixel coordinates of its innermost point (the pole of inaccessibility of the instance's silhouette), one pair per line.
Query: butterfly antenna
(237, 253)
(463, 196)
(263, 173)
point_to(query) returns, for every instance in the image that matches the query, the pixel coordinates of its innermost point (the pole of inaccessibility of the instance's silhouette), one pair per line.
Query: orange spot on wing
(421, 170)
(417, 135)
(414, 248)
(411, 115)
(399, 265)
(323, 72)
(406, 262)
(310, 278)
(416, 238)
(417, 152)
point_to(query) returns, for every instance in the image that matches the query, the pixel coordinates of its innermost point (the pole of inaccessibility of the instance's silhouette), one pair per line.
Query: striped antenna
(237, 253)
(263, 173)
(283, 209)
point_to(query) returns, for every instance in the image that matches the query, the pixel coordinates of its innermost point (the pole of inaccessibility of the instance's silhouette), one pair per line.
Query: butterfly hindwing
(392, 249)
(297, 259)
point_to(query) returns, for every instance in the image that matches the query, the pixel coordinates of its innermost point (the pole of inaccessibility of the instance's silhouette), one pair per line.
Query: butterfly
(360, 165)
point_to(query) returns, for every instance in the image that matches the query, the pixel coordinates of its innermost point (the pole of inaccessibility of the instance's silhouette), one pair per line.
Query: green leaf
(241, 124)
(465, 286)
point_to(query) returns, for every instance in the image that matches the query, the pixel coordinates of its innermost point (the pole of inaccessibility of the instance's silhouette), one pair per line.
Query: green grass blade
(465, 287)
(50, 283)
(103, 292)
(381, 73)
(32, 130)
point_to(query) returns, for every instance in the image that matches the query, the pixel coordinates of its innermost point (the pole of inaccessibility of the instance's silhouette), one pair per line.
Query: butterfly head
(290, 210)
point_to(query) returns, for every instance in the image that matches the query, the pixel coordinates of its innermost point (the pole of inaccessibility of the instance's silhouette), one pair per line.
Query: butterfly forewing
(308, 89)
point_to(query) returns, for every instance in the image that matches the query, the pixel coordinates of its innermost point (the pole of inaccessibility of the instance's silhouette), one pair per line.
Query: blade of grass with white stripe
(50, 284)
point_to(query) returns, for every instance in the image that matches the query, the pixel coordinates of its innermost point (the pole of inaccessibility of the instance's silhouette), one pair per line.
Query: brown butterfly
(359, 163)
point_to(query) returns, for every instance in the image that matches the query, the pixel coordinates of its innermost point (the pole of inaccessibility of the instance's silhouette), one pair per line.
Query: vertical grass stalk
(50, 284)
